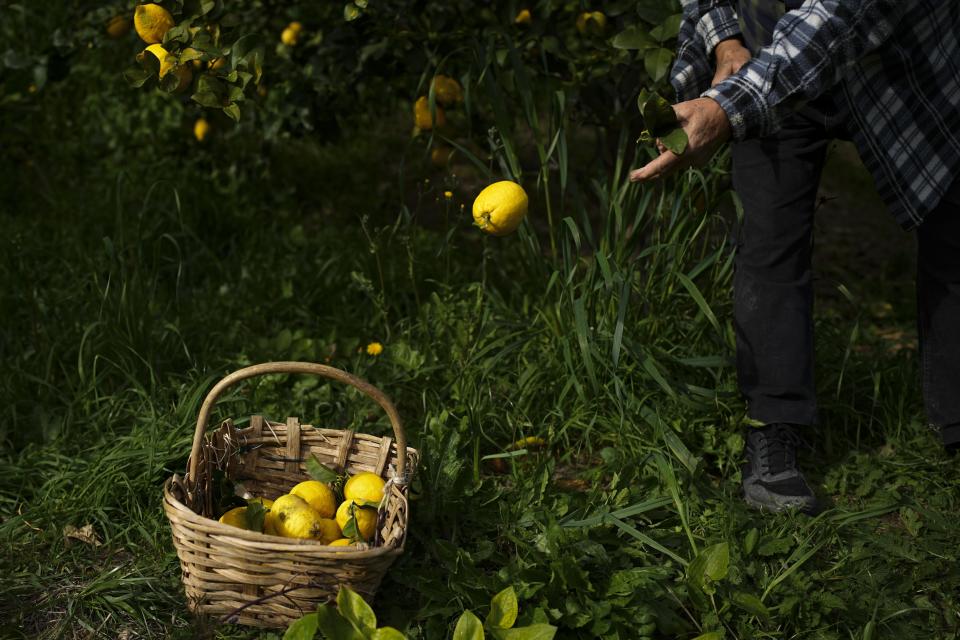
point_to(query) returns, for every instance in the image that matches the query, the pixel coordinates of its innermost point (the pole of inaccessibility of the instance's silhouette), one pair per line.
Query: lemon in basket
(364, 517)
(318, 495)
(364, 488)
(342, 542)
(293, 518)
(236, 517)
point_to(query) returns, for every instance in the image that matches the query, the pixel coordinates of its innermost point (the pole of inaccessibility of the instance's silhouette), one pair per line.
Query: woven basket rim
(255, 540)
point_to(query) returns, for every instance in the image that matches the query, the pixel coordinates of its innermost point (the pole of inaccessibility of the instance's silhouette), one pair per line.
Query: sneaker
(950, 437)
(771, 480)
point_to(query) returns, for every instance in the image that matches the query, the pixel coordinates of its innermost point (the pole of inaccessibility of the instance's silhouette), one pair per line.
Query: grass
(606, 331)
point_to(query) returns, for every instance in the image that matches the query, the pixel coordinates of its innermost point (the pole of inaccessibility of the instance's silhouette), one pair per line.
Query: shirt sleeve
(811, 49)
(705, 23)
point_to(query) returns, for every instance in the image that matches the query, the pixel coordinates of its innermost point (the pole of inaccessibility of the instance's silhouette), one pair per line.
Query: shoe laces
(777, 449)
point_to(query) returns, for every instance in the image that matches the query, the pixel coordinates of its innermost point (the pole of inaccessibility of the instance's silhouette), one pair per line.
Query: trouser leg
(776, 179)
(938, 313)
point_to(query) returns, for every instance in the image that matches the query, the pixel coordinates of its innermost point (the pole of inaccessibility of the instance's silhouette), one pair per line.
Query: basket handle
(297, 367)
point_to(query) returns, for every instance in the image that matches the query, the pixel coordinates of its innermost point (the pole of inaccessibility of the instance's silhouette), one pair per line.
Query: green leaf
(319, 471)
(750, 603)
(633, 37)
(668, 29)
(710, 635)
(351, 12)
(710, 566)
(387, 633)
(676, 141)
(503, 610)
(659, 118)
(657, 62)
(254, 515)
(750, 542)
(334, 626)
(136, 77)
(303, 629)
(233, 110)
(531, 632)
(468, 627)
(355, 609)
(656, 11)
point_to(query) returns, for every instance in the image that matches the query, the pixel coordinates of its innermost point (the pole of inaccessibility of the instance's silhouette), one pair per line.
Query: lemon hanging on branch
(500, 208)
(118, 26)
(152, 22)
(169, 62)
(422, 117)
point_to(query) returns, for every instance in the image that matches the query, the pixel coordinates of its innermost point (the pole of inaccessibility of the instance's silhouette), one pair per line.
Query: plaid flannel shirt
(893, 67)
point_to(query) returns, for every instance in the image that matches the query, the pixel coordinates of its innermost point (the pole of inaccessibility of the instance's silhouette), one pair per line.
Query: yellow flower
(374, 348)
(448, 195)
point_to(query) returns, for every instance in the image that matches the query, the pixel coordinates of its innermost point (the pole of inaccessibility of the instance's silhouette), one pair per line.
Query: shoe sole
(759, 498)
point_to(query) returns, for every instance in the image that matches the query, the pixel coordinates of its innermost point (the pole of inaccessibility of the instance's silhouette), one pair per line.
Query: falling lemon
(152, 22)
(421, 115)
(200, 129)
(500, 208)
(318, 495)
(364, 488)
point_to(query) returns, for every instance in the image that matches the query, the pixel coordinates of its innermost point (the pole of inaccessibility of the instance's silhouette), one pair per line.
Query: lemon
(329, 531)
(366, 519)
(290, 37)
(364, 488)
(500, 208)
(193, 56)
(447, 91)
(295, 26)
(236, 517)
(200, 129)
(592, 22)
(293, 518)
(318, 495)
(152, 22)
(342, 542)
(523, 17)
(118, 26)
(218, 63)
(421, 115)
(168, 63)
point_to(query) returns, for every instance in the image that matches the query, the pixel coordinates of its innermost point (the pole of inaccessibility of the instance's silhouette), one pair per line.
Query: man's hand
(707, 127)
(730, 55)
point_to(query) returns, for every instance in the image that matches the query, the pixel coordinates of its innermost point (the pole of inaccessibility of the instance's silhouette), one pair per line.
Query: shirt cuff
(716, 25)
(744, 103)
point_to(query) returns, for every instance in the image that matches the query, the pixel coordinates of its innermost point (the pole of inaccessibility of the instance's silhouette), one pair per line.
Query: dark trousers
(777, 178)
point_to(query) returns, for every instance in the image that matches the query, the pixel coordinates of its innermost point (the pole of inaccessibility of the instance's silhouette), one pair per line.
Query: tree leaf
(531, 632)
(503, 610)
(675, 141)
(254, 515)
(657, 62)
(633, 37)
(656, 11)
(233, 110)
(468, 627)
(710, 635)
(303, 629)
(354, 608)
(387, 633)
(319, 471)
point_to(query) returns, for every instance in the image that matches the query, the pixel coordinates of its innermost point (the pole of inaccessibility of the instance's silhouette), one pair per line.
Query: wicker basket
(261, 580)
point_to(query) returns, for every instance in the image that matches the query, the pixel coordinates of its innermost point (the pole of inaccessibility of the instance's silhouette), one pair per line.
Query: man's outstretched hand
(707, 127)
